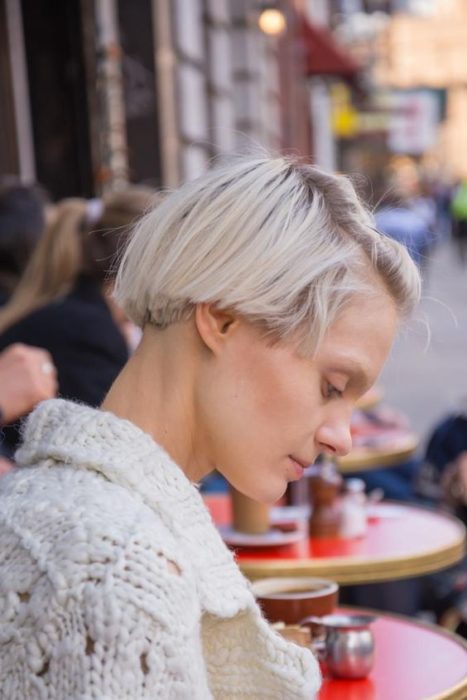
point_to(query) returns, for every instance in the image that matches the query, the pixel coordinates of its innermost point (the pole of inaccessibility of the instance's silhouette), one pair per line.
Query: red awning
(323, 55)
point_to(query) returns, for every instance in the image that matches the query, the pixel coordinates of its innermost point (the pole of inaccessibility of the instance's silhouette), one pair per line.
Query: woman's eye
(333, 392)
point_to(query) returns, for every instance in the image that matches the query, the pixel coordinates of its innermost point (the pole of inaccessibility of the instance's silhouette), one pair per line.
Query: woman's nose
(335, 439)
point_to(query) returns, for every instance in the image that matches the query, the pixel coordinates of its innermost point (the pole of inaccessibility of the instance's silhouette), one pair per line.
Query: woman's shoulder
(78, 520)
(82, 560)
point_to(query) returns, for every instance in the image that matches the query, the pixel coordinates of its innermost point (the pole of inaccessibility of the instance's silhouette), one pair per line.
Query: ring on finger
(47, 368)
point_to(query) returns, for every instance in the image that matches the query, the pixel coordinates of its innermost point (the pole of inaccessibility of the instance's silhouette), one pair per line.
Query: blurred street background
(426, 375)
(99, 94)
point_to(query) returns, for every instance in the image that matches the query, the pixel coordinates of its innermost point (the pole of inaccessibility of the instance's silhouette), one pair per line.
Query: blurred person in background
(401, 217)
(63, 301)
(442, 482)
(22, 222)
(459, 219)
(27, 376)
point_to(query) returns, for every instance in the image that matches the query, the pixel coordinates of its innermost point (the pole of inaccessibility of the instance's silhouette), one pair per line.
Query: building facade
(98, 93)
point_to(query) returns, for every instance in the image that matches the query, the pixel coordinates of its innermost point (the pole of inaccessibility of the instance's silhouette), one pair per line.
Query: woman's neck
(155, 391)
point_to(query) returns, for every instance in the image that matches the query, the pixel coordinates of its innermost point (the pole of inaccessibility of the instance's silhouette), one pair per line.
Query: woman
(63, 302)
(268, 305)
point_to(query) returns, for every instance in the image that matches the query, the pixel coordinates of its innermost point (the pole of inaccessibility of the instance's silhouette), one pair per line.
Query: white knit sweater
(114, 582)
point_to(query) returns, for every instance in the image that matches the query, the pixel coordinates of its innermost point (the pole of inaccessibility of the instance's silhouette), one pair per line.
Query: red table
(415, 542)
(413, 661)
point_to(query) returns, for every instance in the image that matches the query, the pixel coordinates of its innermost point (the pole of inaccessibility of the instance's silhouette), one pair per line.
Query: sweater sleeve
(132, 633)
(278, 670)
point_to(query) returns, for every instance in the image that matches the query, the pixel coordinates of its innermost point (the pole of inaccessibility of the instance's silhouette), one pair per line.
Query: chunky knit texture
(114, 582)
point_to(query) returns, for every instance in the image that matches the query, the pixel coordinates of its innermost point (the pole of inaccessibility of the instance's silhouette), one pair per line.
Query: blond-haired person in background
(63, 301)
(268, 305)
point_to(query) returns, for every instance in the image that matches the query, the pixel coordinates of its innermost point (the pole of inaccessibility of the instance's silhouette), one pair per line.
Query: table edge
(365, 570)
(373, 460)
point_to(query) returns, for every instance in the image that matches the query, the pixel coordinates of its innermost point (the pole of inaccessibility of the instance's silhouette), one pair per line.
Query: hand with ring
(27, 376)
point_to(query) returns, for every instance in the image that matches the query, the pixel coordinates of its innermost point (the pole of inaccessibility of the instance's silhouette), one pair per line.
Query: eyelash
(332, 392)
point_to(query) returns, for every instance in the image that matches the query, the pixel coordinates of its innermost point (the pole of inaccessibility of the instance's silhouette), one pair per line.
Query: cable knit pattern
(114, 582)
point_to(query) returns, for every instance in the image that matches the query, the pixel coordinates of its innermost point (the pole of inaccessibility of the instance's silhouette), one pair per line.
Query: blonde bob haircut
(280, 242)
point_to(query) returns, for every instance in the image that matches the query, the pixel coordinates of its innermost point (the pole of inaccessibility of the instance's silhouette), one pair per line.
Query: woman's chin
(266, 490)
(270, 496)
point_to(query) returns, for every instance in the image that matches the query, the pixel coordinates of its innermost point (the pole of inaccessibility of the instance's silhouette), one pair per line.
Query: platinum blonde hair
(278, 241)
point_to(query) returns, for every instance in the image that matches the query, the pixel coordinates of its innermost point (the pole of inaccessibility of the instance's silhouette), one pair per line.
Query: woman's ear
(215, 326)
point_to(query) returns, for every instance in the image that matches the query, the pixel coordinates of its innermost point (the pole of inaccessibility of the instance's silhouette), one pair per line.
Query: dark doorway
(9, 164)
(53, 37)
(139, 80)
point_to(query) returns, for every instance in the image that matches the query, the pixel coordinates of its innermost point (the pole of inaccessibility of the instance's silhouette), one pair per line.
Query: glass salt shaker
(354, 517)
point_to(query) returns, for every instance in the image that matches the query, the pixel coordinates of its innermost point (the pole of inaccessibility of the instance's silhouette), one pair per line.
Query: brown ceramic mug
(290, 600)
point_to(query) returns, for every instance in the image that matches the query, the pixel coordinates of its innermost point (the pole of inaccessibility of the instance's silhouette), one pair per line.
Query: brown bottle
(325, 484)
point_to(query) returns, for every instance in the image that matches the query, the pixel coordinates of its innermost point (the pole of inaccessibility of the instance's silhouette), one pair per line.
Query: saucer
(289, 515)
(271, 538)
(380, 511)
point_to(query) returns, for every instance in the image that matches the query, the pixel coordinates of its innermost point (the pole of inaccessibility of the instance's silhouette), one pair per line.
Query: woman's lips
(299, 466)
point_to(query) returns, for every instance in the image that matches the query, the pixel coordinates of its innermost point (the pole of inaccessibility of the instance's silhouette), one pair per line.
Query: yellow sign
(344, 114)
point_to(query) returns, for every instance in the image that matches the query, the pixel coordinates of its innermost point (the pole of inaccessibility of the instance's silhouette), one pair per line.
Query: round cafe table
(389, 454)
(413, 661)
(402, 541)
